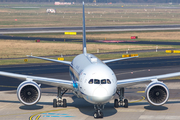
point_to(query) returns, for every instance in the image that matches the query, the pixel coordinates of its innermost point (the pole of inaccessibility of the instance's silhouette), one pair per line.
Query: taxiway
(139, 109)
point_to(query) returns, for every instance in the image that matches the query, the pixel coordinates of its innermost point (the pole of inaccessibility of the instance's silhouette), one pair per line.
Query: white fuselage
(93, 80)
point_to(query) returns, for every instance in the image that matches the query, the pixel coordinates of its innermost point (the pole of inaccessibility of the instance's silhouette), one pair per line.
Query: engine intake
(28, 92)
(157, 93)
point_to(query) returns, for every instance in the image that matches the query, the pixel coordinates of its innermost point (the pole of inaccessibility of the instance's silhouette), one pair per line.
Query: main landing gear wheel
(122, 101)
(116, 103)
(54, 103)
(64, 103)
(59, 101)
(125, 103)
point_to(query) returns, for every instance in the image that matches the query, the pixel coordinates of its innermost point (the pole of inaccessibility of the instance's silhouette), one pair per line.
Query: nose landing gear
(122, 101)
(98, 113)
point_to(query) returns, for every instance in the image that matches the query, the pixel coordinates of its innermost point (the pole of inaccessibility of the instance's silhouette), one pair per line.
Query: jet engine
(28, 92)
(157, 93)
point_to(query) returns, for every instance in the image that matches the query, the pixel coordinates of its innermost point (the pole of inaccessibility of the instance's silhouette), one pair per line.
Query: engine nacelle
(157, 93)
(28, 92)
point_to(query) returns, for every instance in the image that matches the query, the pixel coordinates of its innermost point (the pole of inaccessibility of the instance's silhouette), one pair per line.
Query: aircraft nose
(101, 95)
(100, 92)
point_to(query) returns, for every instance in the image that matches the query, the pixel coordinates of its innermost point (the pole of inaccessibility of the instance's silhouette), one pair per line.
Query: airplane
(92, 80)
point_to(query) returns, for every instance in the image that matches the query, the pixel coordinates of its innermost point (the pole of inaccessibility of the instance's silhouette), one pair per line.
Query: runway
(88, 29)
(89, 41)
(11, 108)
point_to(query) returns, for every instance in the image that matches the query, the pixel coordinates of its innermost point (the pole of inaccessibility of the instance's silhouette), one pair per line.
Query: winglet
(84, 32)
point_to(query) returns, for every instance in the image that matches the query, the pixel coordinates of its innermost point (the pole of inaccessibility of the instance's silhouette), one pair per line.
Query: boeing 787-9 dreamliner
(92, 80)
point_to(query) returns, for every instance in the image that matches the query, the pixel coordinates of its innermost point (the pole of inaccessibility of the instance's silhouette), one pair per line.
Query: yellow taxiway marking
(143, 98)
(35, 113)
(8, 86)
(31, 117)
(38, 117)
(140, 91)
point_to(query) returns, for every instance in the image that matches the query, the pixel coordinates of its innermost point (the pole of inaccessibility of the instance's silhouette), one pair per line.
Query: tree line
(98, 1)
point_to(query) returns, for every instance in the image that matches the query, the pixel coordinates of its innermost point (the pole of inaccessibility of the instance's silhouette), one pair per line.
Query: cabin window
(96, 81)
(103, 81)
(90, 81)
(108, 81)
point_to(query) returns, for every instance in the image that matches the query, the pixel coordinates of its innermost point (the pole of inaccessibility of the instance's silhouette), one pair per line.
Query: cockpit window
(103, 81)
(96, 81)
(90, 81)
(108, 81)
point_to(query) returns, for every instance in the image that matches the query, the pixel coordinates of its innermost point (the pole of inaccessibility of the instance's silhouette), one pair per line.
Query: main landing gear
(98, 113)
(122, 101)
(59, 101)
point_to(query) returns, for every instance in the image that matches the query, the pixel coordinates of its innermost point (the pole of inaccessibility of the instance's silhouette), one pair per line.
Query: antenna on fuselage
(84, 32)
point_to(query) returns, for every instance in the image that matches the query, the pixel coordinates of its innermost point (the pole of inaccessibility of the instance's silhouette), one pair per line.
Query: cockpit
(98, 81)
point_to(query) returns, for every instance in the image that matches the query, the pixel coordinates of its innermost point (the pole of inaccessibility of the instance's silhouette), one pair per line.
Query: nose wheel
(122, 101)
(98, 113)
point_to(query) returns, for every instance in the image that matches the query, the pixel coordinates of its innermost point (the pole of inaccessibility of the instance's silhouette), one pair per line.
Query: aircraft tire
(125, 103)
(95, 115)
(54, 103)
(116, 103)
(64, 103)
(101, 115)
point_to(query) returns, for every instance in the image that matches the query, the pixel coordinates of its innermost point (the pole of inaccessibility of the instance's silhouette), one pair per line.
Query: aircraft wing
(42, 80)
(114, 60)
(134, 81)
(52, 60)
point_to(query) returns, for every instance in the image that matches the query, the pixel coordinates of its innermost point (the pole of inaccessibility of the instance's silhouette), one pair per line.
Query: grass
(100, 56)
(20, 48)
(95, 16)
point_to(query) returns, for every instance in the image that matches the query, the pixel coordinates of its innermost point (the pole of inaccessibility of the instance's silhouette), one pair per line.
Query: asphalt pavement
(139, 108)
(90, 40)
(131, 68)
(88, 29)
